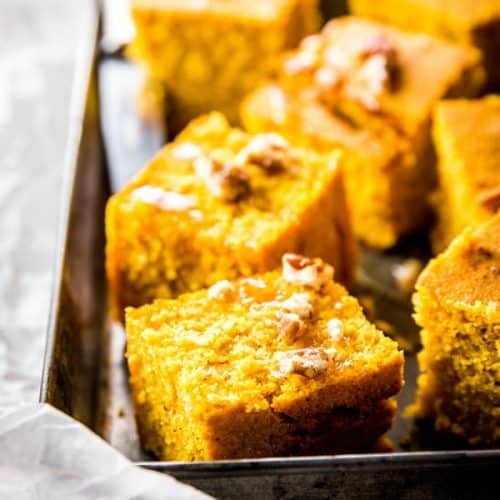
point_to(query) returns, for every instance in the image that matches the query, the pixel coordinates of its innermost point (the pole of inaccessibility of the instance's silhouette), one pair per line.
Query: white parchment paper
(44, 454)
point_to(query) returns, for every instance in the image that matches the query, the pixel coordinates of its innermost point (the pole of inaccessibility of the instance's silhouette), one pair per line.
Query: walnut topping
(302, 271)
(228, 182)
(335, 329)
(306, 58)
(186, 151)
(309, 362)
(165, 200)
(290, 325)
(222, 290)
(299, 304)
(354, 67)
(490, 199)
(269, 151)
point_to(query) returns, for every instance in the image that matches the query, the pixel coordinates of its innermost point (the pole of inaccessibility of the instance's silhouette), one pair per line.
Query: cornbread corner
(467, 138)
(474, 23)
(277, 364)
(457, 304)
(218, 203)
(207, 57)
(373, 89)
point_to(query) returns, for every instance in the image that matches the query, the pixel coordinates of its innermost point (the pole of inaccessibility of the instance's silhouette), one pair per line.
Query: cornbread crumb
(208, 216)
(214, 379)
(457, 305)
(335, 329)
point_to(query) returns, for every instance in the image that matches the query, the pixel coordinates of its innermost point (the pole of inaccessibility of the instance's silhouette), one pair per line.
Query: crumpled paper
(44, 454)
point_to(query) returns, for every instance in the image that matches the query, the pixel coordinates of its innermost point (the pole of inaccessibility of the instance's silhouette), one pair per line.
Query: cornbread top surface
(226, 185)
(261, 10)
(368, 70)
(305, 120)
(467, 134)
(268, 342)
(465, 13)
(468, 272)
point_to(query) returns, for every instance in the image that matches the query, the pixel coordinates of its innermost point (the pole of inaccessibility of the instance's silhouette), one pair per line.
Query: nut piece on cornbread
(457, 304)
(369, 88)
(218, 203)
(474, 23)
(209, 54)
(467, 138)
(220, 374)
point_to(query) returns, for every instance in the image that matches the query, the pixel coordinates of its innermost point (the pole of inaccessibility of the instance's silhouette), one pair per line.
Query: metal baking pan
(85, 372)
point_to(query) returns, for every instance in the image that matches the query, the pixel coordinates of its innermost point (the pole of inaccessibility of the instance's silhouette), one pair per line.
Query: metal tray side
(78, 302)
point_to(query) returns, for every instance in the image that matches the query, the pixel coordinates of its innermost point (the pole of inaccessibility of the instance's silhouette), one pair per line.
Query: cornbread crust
(208, 58)
(467, 138)
(457, 303)
(473, 23)
(163, 247)
(208, 383)
(391, 115)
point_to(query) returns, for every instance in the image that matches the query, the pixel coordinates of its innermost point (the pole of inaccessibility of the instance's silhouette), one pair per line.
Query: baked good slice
(218, 203)
(474, 23)
(277, 364)
(208, 55)
(457, 304)
(467, 138)
(379, 84)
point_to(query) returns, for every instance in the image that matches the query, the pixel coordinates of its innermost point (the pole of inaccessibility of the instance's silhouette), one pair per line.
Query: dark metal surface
(85, 372)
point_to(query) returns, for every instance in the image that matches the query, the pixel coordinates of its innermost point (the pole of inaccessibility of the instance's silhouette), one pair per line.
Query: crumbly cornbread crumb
(198, 213)
(216, 379)
(457, 304)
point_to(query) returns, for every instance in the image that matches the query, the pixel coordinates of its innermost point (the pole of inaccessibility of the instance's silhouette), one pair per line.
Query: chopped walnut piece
(369, 82)
(309, 362)
(490, 199)
(269, 151)
(303, 271)
(300, 304)
(186, 151)
(225, 181)
(290, 325)
(165, 200)
(335, 329)
(222, 290)
(306, 58)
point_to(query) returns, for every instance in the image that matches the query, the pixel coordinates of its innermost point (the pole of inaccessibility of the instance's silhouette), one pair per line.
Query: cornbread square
(209, 54)
(467, 138)
(282, 363)
(218, 203)
(474, 23)
(378, 85)
(457, 304)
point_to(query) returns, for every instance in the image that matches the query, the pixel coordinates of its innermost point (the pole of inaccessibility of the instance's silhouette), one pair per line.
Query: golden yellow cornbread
(467, 138)
(218, 203)
(473, 22)
(457, 304)
(377, 87)
(208, 55)
(277, 364)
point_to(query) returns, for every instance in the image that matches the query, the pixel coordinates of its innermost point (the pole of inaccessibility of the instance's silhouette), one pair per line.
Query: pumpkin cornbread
(457, 303)
(474, 23)
(467, 138)
(372, 88)
(209, 54)
(218, 203)
(282, 363)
